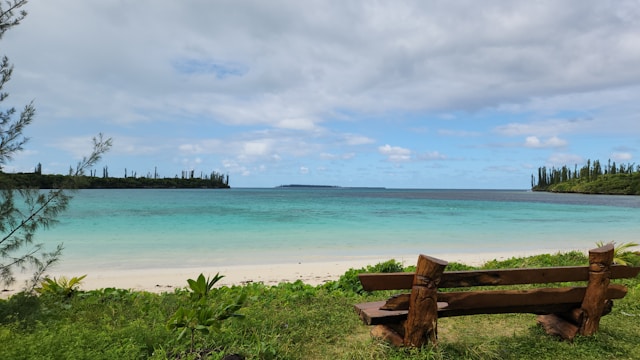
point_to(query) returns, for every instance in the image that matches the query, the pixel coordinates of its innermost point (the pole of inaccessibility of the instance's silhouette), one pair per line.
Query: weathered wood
(422, 319)
(575, 316)
(375, 316)
(497, 298)
(557, 326)
(371, 314)
(594, 299)
(386, 333)
(455, 279)
(572, 310)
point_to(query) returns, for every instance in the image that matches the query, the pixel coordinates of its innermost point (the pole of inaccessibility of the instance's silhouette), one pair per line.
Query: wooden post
(594, 300)
(422, 319)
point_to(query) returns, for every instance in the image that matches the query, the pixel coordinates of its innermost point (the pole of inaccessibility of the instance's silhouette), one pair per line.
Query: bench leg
(422, 319)
(594, 300)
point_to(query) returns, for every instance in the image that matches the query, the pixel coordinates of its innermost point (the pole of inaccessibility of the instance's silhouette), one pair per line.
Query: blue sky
(400, 94)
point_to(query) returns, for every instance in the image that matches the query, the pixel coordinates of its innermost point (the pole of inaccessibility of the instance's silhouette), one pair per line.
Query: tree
(23, 211)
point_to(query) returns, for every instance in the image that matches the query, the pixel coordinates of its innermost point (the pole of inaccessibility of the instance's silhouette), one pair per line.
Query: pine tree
(24, 211)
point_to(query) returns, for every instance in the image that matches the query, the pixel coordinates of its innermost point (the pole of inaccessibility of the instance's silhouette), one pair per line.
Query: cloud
(621, 156)
(344, 156)
(561, 159)
(353, 139)
(395, 153)
(433, 155)
(549, 127)
(257, 88)
(552, 142)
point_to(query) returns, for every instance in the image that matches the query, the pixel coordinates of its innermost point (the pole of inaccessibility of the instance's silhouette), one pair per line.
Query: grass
(291, 321)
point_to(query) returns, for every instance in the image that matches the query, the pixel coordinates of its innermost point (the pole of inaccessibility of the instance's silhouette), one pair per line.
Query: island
(593, 178)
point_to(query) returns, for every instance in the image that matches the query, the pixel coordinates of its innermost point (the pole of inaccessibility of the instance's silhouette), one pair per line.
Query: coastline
(159, 280)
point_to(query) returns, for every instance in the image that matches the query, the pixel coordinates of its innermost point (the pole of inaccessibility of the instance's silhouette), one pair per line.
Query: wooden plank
(506, 298)
(454, 279)
(371, 314)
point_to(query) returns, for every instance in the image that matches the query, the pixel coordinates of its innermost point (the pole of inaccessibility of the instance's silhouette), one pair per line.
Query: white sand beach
(312, 273)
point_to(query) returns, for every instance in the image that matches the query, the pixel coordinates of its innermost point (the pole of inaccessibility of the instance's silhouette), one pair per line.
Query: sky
(397, 94)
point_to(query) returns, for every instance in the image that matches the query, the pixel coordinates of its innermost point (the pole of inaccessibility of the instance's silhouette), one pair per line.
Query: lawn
(287, 321)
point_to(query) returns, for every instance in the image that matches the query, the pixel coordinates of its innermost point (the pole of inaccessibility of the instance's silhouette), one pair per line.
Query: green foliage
(350, 282)
(201, 287)
(571, 258)
(455, 266)
(287, 321)
(61, 287)
(52, 181)
(201, 315)
(592, 178)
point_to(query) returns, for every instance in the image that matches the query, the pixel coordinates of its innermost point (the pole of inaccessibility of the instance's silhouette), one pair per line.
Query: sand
(312, 273)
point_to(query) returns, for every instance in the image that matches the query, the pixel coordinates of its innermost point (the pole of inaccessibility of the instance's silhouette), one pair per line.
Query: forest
(188, 179)
(592, 178)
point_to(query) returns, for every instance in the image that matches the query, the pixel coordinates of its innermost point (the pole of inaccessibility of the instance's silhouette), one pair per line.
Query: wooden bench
(411, 319)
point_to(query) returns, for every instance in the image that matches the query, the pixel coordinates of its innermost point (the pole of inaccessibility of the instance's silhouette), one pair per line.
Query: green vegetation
(592, 178)
(48, 181)
(287, 321)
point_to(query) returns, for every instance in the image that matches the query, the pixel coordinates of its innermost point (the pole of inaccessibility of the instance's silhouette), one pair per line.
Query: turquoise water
(128, 229)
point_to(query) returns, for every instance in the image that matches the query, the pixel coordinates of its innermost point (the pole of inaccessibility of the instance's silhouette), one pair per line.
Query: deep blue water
(121, 229)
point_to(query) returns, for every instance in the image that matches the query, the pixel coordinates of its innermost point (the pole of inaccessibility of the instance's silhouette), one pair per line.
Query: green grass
(292, 321)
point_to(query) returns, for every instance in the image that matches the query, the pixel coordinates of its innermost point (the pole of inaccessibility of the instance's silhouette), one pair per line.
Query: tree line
(131, 180)
(593, 177)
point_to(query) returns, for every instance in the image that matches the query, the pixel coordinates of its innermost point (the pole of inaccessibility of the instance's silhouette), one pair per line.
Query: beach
(159, 280)
(154, 240)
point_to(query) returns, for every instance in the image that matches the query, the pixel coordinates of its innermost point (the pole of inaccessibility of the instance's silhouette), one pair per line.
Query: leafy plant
(350, 281)
(201, 287)
(622, 255)
(61, 287)
(200, 315)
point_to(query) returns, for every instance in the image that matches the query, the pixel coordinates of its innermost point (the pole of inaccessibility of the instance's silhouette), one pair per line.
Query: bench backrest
(456, 279)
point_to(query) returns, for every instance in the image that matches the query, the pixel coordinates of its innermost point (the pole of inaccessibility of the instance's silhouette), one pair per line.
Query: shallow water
(130, 229)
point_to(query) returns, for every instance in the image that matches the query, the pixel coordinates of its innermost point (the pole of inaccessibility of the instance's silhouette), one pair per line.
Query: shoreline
(159, 280)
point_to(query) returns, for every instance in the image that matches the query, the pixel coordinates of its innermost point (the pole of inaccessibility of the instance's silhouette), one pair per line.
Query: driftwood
(564, 311)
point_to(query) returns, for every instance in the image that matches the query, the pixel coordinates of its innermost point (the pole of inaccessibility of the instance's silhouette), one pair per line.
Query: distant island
(187, 180)
(307, 186)
(326, 186)
(592, 178)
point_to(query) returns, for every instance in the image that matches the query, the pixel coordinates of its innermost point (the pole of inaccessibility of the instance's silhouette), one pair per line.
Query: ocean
(173, 228)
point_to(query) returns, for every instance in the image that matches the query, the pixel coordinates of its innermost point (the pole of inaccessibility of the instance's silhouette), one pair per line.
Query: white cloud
(352, 139)
(552, 142)
(260, 83)
(561, 159)
(621, 156)
(395, 153)
(550, 127)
